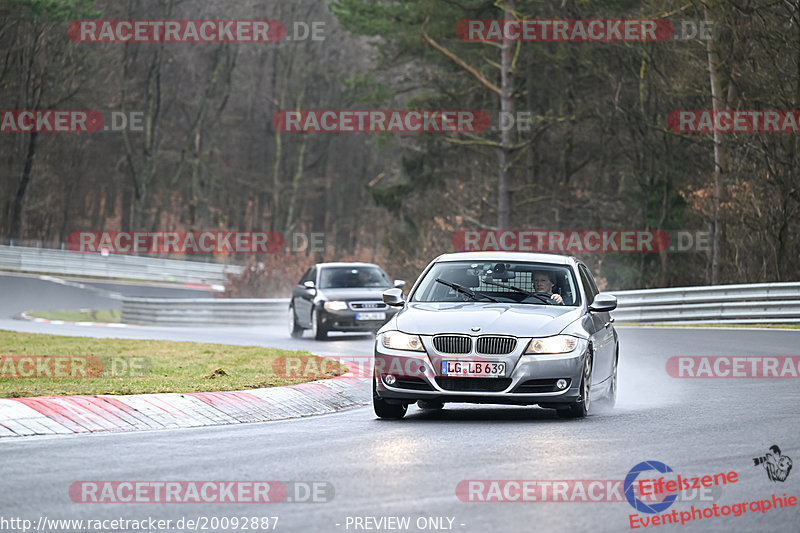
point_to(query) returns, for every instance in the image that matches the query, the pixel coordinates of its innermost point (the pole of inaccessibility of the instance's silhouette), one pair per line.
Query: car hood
(519, 320)
(355, 293)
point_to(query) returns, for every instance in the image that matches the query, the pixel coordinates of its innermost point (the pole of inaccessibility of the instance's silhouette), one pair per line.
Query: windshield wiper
(460, 288)
(519, 290)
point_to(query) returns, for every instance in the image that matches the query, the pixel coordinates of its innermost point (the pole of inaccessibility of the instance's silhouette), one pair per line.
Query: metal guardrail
(760, 303)
(723, 304)
(65, 262)
(204, 311)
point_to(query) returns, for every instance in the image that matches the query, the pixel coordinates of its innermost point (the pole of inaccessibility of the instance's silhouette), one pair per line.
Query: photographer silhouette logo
(777, 466)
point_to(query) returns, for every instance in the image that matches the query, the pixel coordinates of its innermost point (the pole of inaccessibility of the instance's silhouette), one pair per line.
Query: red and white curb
(202, 286)
(26, 316)
(51, 415)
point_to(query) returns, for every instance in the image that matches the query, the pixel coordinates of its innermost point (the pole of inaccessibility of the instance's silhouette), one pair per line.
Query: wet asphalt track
(411, 468)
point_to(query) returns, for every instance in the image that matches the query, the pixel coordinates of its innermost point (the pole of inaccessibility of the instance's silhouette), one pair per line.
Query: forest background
(595, 154)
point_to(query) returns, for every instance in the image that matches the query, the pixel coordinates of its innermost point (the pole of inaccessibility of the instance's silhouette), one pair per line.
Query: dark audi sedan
(498, 327)
(340, 297)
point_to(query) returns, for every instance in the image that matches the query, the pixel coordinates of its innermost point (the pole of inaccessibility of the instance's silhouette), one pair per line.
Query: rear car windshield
(499, 280)
(348, 277)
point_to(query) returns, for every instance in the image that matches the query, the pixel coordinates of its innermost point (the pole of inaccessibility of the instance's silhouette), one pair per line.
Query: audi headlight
(397, 340)
(335, 306)
(555, 344)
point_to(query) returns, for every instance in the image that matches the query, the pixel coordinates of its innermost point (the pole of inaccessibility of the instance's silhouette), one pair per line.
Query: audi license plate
(370, 316)
(473, 369)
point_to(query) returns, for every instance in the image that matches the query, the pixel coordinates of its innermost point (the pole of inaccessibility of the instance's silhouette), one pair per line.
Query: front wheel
(610, 399)
(385, 409)
(294, 329)
(580, 407)
(317, 329)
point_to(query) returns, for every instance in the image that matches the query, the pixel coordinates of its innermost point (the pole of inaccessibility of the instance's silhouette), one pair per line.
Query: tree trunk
(298, 174)
(506, 110)
(716, 90)
(18, 205)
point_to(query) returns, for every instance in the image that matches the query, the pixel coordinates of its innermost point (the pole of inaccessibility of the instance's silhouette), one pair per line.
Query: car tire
(295, 330)
(610, 399)
(385, 409)
(317, 329)
(580, 407)
(430, 406)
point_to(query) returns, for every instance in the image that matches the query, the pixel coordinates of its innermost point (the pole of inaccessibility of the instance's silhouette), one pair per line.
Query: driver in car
(544, 282)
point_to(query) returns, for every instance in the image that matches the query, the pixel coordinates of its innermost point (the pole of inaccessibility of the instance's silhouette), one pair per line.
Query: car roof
(508, 256)
(343, 264)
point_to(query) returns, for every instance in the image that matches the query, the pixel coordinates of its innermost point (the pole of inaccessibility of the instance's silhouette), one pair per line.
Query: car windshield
(356, 276)
(513, 282)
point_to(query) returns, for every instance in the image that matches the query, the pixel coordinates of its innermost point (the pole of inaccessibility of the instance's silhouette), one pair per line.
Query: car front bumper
(346, 319)
(528, 379)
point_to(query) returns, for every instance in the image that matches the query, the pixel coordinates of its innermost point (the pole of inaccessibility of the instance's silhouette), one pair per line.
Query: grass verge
(83, 315)
(129, 366)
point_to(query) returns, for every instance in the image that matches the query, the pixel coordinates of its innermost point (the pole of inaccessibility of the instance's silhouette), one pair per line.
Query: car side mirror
(310, 287)
(399, 283)
(603, 303)
(394, 297)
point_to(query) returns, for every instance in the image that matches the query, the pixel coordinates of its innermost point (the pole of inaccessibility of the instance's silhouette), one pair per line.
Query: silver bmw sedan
(501, 328)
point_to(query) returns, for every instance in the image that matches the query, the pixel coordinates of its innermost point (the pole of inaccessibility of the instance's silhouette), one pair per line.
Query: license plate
(473, 369)
(370, 316)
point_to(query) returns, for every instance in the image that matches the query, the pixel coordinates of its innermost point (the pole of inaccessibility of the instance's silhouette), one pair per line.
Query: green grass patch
(764, 326)
(83, 315)
(83, 365)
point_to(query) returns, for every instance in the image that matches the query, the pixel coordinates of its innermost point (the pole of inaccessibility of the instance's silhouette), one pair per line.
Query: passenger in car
(544, 282)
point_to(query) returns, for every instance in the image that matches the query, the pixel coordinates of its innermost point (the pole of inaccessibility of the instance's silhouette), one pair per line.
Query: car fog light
(390, 379)
(561, 383)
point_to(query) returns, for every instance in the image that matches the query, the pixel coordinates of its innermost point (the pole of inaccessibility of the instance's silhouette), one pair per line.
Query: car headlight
(397, 340)
(336, 305)
(555, 344)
